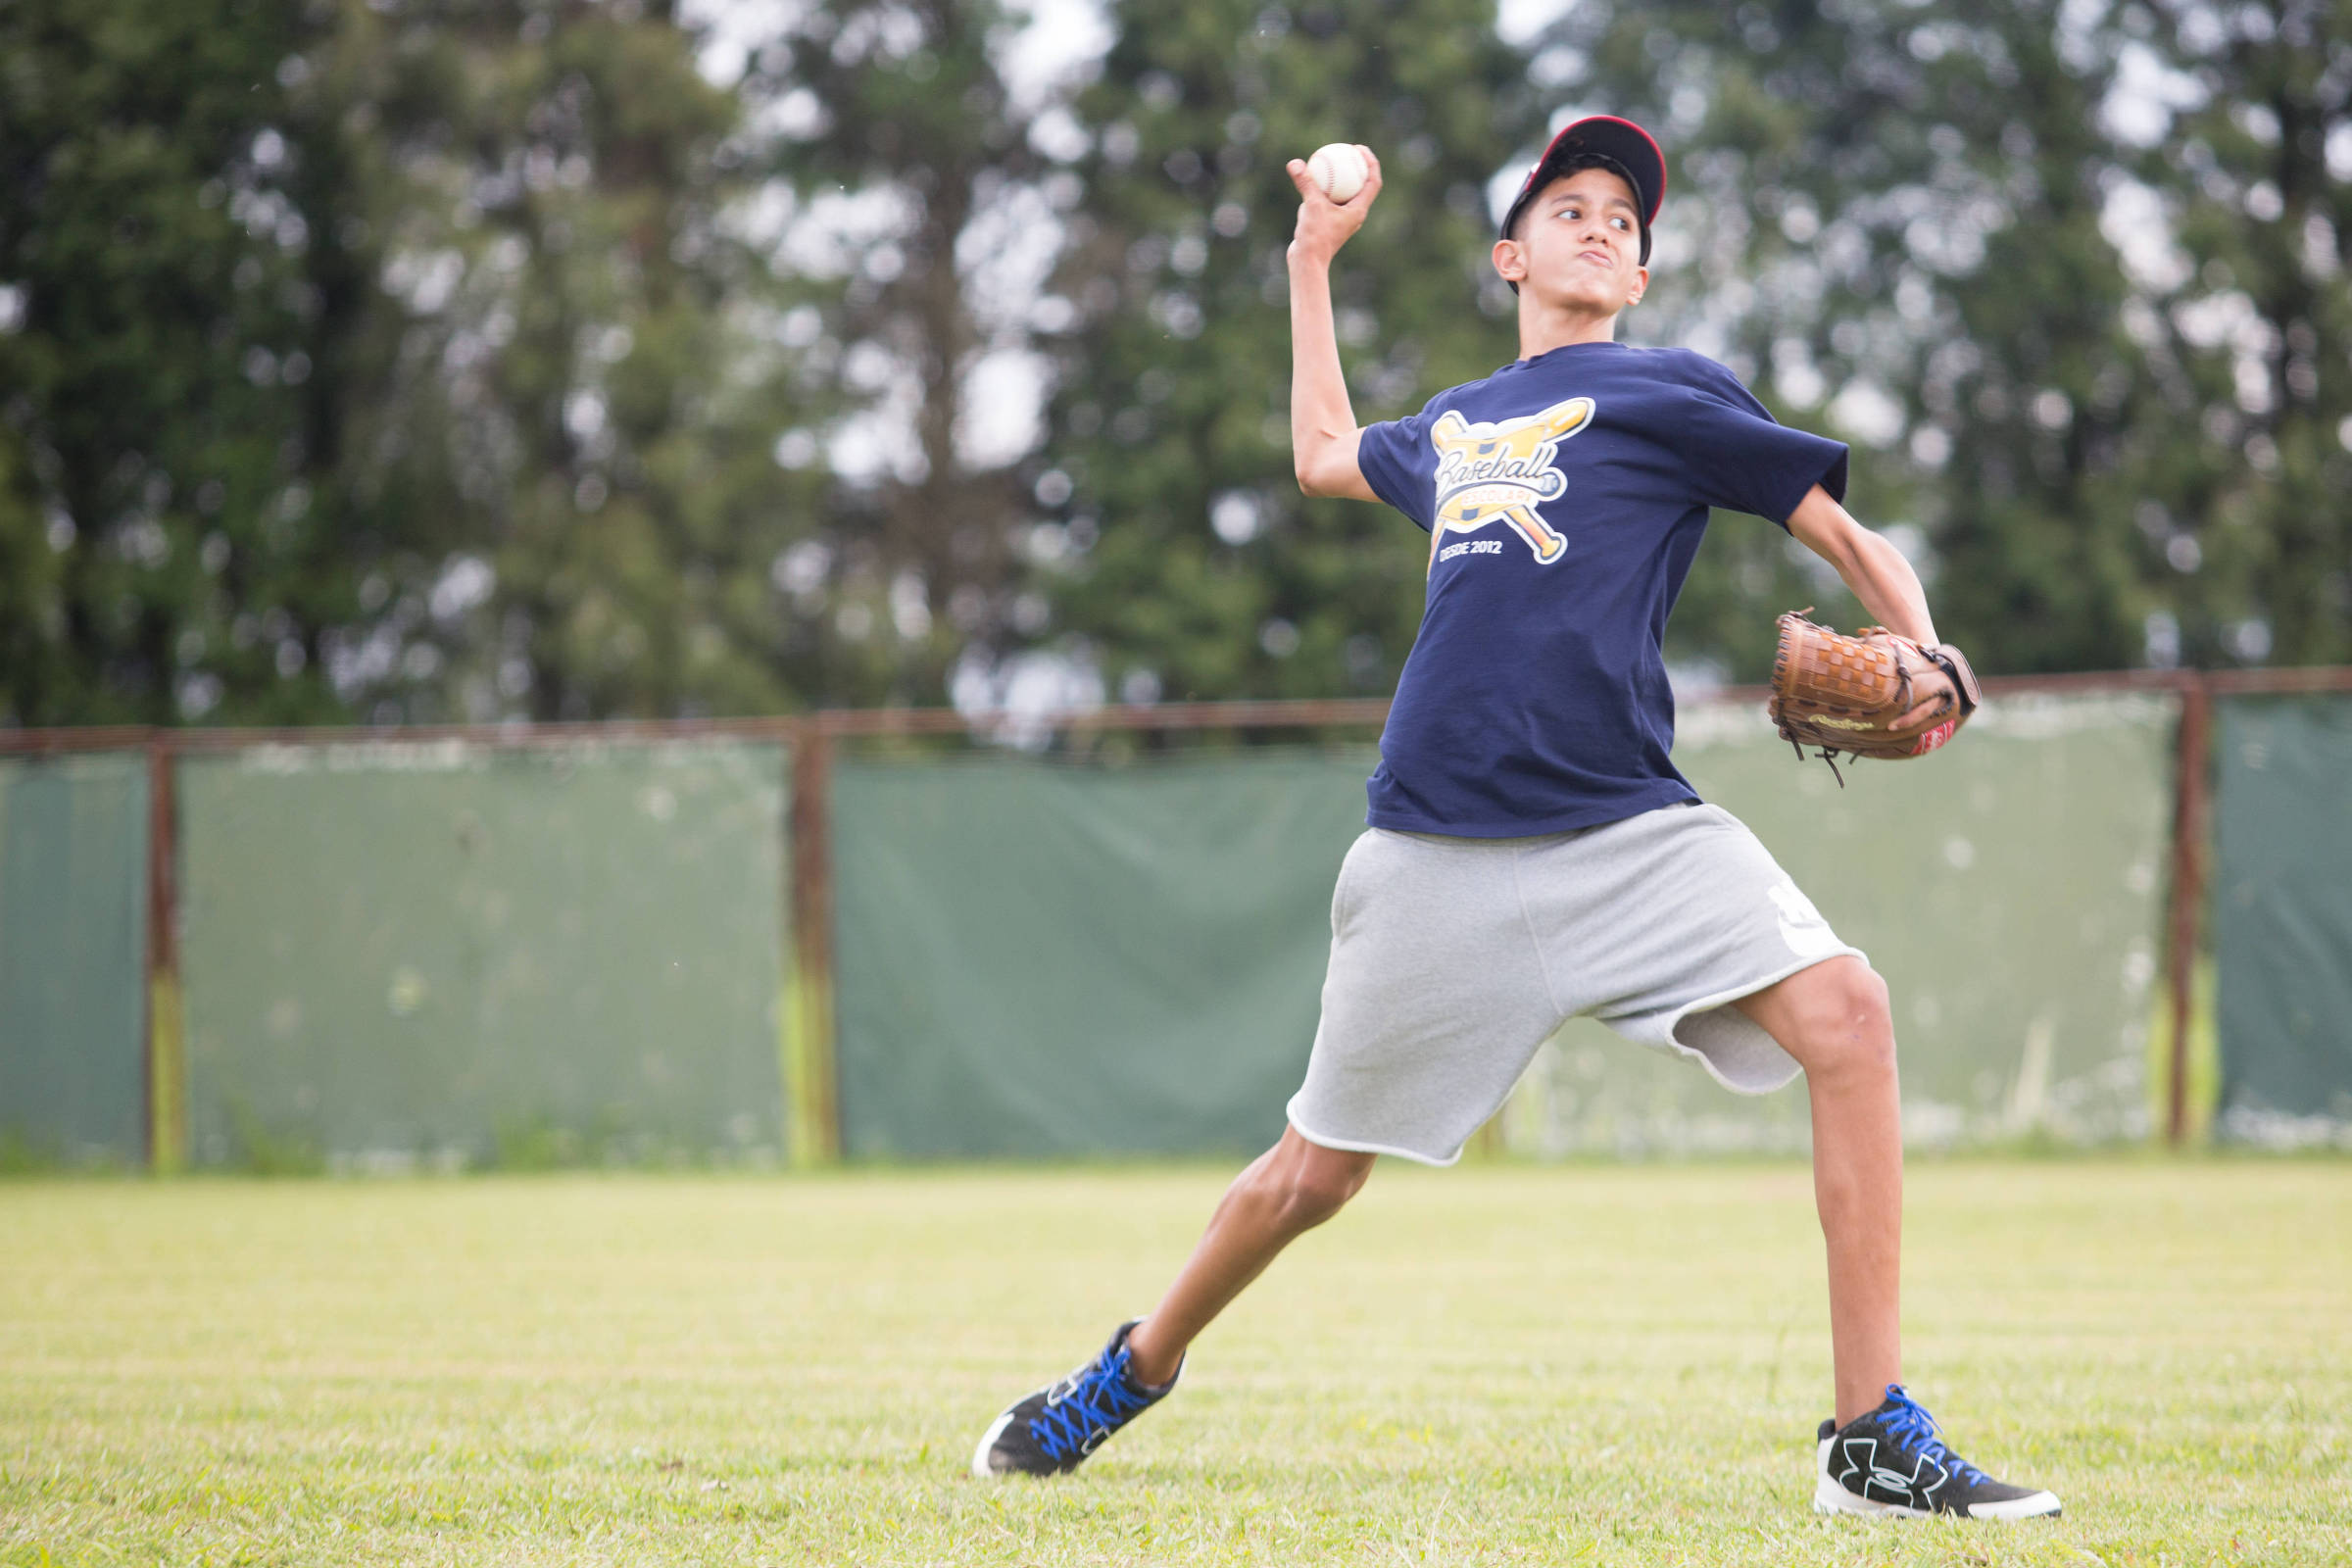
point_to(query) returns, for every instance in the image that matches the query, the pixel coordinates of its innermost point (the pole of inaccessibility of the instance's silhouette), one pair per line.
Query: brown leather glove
(1875, 694)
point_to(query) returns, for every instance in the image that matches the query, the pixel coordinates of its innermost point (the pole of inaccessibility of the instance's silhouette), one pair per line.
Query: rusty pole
(2188, 870)
(812, 1088)
(166, 1109)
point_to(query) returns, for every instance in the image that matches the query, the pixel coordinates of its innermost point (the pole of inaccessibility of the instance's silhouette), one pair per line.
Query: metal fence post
(813, 1096)
(2194, 750)
(167, 1068)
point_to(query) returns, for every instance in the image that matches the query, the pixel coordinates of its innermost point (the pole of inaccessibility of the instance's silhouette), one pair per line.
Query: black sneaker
(1054, 1428)
(1892, 1461)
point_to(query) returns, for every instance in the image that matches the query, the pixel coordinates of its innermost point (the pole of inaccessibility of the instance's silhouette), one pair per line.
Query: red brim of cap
(1621, 141)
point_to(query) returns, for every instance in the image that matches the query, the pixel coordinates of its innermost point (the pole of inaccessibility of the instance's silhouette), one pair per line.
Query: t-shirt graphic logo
(1503, 470)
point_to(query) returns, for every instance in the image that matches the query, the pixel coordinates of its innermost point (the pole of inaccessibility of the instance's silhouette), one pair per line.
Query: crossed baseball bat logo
(1503, 470)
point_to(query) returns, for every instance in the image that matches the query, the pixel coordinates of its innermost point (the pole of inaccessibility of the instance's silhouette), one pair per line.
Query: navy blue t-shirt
(1565, 496)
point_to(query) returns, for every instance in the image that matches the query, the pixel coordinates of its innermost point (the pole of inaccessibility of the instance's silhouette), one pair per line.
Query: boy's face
(1579, 245)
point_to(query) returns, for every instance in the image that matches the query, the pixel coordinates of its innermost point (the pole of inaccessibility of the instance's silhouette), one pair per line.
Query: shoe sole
(1832, 1498)
(982, 1470)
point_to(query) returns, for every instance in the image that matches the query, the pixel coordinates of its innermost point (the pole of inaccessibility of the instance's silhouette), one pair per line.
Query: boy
(1532, 854)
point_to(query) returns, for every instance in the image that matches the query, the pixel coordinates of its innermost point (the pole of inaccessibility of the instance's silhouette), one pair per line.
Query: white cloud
(733, 30)
(1867, 411)
(2136, 224)
(1011, 701)
(1520, 20)
(2146, 95)
(1004, 396)
(1062, 42)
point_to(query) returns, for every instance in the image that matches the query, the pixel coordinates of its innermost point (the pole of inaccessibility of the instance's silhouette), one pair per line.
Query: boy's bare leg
(1834, 1020)
(1287, 1191)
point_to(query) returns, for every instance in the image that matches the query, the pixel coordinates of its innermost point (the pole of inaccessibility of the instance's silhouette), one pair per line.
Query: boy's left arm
(1873, 568)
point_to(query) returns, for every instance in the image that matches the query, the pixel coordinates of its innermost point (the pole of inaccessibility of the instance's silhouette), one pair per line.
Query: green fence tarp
(72, 958)
(1042, 960)
(2282, 920)
(437, 953)
(2009, 889)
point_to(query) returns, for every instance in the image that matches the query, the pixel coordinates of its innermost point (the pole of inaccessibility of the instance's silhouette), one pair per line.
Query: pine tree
(1888, 215)
(2258, 180)
(169, 286)
(1179, 551)
(391, 359)
(564, 495)
(917, 191)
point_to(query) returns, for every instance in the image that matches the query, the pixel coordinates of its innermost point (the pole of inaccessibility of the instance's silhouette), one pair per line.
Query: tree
(1178, 550)
(1888, 215)
(390, 360)
(562, 495)
(2256, 177)
(169, 282)
(915, 182)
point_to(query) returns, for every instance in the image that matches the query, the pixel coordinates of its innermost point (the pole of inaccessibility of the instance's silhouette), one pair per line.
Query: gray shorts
(1452, 959)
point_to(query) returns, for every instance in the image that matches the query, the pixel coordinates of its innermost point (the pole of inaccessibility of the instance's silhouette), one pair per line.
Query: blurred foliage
(561, 497)
(1885, 218)
(1186, 558)
(174, 304)
(387, 359)
(907, 150)
(402, 359)
(2258, 180)
(1902, 221)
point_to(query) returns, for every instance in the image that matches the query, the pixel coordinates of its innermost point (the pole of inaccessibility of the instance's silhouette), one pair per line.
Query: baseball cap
(1622, 146)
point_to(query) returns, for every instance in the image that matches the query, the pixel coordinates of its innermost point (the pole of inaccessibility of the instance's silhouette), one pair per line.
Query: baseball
(1339, 170)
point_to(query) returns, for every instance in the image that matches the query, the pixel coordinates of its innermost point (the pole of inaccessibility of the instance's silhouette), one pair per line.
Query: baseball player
(1532, 854)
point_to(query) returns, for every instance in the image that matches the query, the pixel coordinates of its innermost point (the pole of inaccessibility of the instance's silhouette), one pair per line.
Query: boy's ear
(1640, 285)
(1510, 260)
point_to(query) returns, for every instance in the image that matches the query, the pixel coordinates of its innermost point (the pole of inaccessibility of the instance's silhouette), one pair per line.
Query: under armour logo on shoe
(1917, 1490)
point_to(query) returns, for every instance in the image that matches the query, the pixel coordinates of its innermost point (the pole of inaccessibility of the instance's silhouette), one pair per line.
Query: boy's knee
(1863, 995)
(1845, 1019)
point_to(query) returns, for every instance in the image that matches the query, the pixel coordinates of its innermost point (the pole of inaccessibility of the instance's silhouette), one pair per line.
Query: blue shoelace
(1910, 1424)
(1100, 1397)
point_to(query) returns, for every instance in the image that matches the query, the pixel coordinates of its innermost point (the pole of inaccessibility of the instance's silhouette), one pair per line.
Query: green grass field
(1489, 1366)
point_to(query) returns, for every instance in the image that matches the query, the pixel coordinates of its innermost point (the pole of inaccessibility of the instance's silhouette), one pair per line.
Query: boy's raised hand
(1324, 225)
